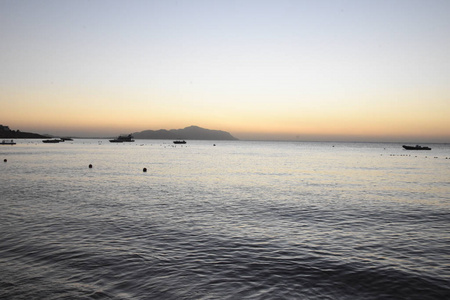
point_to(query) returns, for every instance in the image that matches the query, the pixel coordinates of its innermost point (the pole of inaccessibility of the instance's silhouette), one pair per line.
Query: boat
(179, 142)
(54, 141)
(123, 138)
(7, 142)
(416, 147)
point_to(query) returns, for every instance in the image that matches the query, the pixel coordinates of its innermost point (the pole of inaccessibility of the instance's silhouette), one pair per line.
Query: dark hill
(6, 133)
(188, 133)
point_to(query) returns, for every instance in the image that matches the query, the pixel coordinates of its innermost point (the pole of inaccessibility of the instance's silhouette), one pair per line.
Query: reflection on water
(241, 220)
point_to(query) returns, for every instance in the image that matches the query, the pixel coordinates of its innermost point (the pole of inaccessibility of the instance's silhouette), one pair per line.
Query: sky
(278, 70)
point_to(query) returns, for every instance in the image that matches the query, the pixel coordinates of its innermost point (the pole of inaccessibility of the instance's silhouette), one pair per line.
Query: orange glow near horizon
(110, 115)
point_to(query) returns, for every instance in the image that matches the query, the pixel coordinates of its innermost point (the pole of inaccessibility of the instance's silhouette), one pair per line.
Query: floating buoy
(5, 160)
(144, 170)
(90, 166)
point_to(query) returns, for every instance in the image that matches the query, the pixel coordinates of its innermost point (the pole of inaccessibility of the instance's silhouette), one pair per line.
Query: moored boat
(123, 138)
(54, 141)
(416, 147)
(179, 142)
(7, 142)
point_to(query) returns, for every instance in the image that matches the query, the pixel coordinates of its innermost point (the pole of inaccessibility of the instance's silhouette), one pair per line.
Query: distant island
(188, 133)
(6, 133)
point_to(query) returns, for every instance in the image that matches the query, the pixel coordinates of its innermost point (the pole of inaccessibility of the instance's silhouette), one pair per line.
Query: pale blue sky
(254, 68)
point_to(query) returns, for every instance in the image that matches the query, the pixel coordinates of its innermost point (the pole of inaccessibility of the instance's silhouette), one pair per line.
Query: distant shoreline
(248, 140)
(197, 133)
(20, 135)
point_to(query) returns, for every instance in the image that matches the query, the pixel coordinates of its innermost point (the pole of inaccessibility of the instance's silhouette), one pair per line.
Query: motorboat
(416, 147)
(123, 138)
(7, 142)
(54, 141)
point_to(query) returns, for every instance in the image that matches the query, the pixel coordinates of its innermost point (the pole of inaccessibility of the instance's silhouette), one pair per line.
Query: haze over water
(239, 220)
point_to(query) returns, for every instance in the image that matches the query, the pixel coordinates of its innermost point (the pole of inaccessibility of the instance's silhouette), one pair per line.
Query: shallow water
(239, 220)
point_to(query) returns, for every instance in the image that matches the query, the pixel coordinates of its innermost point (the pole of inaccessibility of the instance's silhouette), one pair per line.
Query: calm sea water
(239, 220)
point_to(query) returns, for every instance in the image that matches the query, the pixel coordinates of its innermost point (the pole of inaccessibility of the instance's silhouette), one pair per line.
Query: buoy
(144, 170)
(90, 166)
(5, 160)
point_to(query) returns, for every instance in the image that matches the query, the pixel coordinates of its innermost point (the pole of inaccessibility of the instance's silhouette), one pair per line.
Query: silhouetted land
(6, 133)
(188, 133)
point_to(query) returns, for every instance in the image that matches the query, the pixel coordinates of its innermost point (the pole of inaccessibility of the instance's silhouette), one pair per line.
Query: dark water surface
(241, 220)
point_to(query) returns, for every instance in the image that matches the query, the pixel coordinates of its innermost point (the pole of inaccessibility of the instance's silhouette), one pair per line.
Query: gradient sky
(307, 70)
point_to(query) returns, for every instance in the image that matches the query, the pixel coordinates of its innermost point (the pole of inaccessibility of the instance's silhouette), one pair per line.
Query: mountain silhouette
(188, 133)
(5, 133)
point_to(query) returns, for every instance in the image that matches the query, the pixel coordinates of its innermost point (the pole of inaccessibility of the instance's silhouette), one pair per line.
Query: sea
(224, 220)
